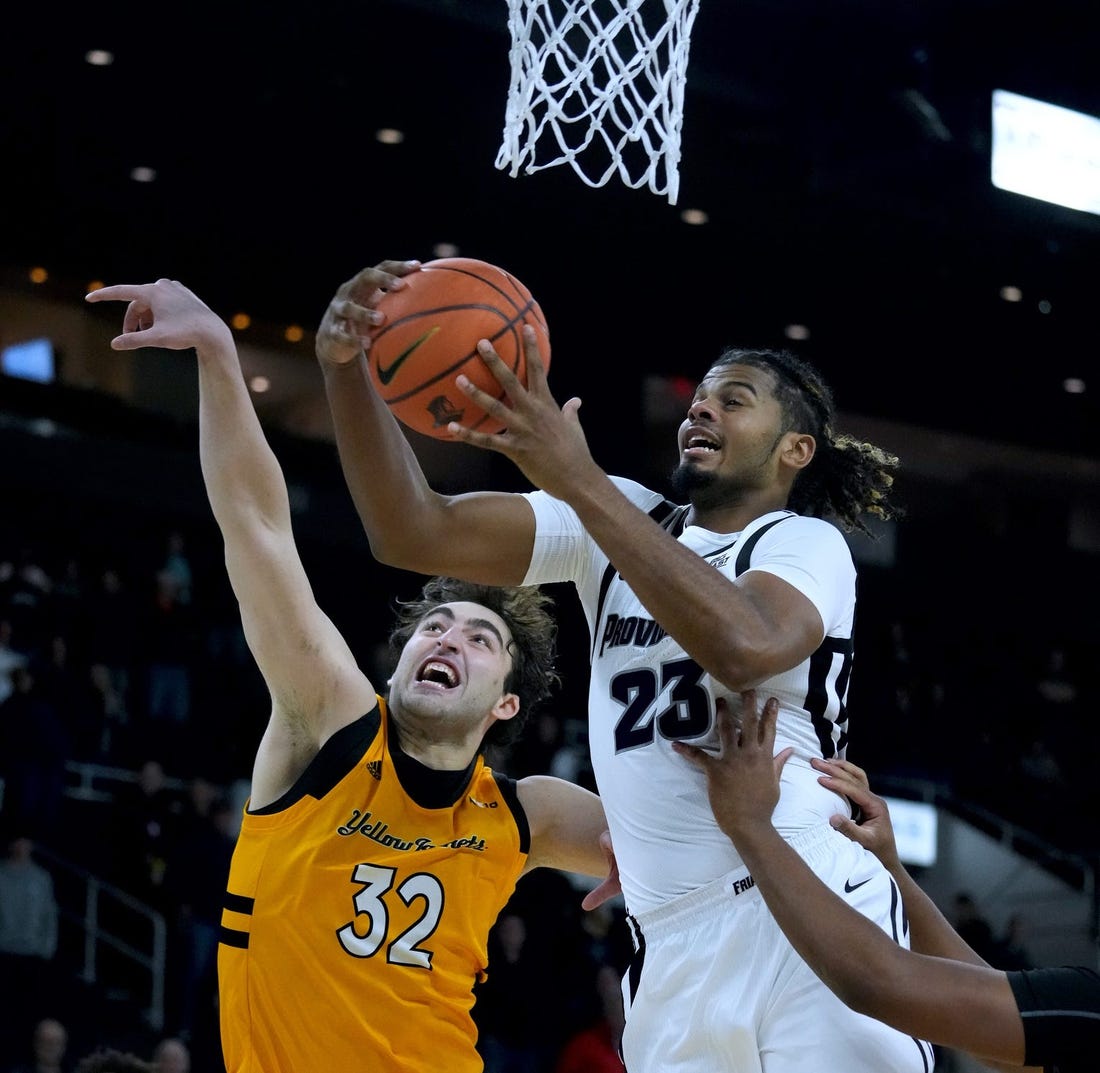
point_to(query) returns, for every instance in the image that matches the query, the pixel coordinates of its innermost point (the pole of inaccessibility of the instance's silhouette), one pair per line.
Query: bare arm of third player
(741, 632)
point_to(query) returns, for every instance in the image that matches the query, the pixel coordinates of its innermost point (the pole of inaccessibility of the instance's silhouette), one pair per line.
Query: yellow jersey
(358, 909)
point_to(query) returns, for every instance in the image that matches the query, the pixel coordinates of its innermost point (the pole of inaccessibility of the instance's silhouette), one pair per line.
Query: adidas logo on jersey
(374, 767)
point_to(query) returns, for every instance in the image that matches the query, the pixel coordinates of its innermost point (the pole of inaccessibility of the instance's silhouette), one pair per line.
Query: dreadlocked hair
(526, 612)
(847, 478)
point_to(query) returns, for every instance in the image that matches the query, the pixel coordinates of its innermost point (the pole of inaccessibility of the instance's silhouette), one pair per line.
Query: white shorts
(715, 987)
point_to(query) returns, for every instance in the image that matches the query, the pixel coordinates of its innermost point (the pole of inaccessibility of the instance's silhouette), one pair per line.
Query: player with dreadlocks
(745, 582)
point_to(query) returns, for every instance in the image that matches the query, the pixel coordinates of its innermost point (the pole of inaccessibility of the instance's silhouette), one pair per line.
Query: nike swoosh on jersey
(387, 374)
(849, 886)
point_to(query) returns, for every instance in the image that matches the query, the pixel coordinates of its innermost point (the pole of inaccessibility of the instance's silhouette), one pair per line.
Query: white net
(599, 85)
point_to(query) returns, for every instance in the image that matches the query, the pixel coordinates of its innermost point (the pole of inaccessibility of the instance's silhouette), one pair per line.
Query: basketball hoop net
(600, 83)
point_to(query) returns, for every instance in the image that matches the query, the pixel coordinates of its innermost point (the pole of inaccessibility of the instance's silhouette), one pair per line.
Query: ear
(797, 450)
(507, 707)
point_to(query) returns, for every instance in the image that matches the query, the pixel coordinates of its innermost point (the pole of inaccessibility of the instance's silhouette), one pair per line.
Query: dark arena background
(835, 198)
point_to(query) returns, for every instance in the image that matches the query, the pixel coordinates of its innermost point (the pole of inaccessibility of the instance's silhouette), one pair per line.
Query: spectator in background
(197, 878)
(28, 937)
(34, 747)
(67, 598)
(109, 630)
(61, 682)
(177, 565)
(104, 720)
(511, 1020)
(973, 926)
(171, 1055)
(595, 1048)
(11, 658)
(1013, 953)
(147, 822)
(49, 1043)
(540, 958)
(25, 597)
(168, 643)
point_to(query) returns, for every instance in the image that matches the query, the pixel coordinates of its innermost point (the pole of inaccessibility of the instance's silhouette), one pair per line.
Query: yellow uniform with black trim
(358, 911)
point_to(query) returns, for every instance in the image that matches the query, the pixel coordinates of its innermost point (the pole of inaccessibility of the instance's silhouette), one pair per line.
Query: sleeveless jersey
(358, 911)
(645, 692)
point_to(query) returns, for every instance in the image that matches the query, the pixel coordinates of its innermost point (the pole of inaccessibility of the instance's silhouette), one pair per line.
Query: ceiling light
(259, 384)
(389, 136)
(99, 57)
(143, 175)
(1012, 294)
(796, 331)
(695, 217)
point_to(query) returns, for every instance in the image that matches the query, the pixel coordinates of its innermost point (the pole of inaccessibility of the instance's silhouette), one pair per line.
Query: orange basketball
(430, 335)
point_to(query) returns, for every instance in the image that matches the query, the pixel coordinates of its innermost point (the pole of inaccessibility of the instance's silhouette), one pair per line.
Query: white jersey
(645, 692)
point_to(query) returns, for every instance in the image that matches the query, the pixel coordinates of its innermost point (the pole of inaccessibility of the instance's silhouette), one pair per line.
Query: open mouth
(699, 442)
(438, 673)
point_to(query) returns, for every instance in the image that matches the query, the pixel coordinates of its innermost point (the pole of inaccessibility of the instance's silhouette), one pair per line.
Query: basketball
(430, 335)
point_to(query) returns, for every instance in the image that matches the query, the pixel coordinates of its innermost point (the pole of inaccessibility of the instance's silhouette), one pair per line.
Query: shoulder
(785, 529)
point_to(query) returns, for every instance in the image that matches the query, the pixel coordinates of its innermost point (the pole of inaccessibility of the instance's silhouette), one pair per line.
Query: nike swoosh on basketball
(849, 886)
(387, 374)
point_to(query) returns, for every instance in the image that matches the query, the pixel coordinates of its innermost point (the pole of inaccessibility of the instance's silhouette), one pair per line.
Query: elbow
(397, 552)
(738, 667)
(858, 993)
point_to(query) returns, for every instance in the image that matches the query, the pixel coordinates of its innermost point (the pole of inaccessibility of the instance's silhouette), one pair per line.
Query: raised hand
(544, 440)
(344, 332)
(163, 314)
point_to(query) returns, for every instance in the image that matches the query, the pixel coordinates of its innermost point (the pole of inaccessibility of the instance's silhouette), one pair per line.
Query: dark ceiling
(841, 150)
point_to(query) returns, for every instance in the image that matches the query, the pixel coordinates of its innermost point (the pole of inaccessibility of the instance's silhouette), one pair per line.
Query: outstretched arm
(566, 822)
(314, 681)
(965, 1005)
(484, 537)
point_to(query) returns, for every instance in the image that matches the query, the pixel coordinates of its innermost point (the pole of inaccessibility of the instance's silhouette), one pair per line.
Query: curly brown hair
(847, 478)
(526, 612)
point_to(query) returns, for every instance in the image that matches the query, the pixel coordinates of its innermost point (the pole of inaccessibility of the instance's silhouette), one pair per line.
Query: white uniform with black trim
(645, 692)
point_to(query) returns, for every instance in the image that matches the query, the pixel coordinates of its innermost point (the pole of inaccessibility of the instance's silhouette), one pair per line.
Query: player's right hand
(345, 328)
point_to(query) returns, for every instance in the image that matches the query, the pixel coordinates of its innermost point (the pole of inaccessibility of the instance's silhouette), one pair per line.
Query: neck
(429, 750)
(733, 517)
